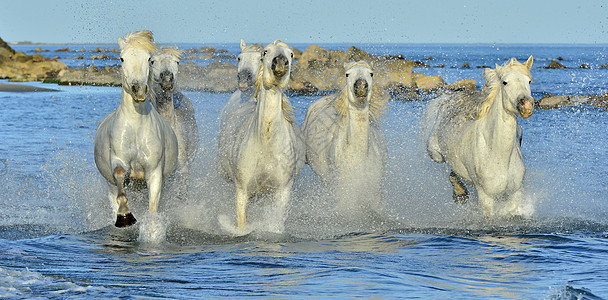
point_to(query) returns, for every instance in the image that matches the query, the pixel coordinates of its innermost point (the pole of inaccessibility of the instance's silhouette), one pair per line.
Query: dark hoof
(460, 198)
(125, 220)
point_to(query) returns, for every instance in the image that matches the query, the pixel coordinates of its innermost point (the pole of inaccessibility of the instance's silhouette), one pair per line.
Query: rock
(4, 45)
(555, 65)
(560, 58)
(429, 58)
(107, 76)
(599, 100)
(604, 66)
(18, 66)
(101, 56)
(428, 83)
(585, 66)
(464, 84)
(419, 64)
(63, 50)
(78, 57)
(21, 57)
(550, 101)
(465, 65)
(38, 49)
(440, 66)
(38, 58)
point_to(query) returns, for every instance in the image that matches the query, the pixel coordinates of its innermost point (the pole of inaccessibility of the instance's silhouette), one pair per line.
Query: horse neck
(269, 110)
(357, 128)
(499, 126)
(132, 109)
(165, 105)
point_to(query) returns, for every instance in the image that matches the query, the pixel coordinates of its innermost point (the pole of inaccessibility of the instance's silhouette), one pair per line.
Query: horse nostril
(134, 88)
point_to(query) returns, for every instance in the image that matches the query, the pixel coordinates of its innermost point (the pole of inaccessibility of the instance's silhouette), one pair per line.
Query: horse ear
(529, 62)
(243, 45)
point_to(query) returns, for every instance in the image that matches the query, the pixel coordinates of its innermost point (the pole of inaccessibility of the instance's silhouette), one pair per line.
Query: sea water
(57, 237)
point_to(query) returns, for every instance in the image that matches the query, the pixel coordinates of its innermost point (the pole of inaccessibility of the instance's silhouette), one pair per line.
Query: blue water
(57, 239)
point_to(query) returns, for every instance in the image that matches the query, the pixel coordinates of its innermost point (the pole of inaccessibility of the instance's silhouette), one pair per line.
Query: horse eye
(371, 74)
(265, 52)
(122, 59)
(238, 59)
(346, 74)
(504, 83)
(529, 82)
(178, 63)
(292, 55)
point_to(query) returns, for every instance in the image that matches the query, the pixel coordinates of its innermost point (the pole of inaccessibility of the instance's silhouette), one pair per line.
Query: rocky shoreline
(316, 71)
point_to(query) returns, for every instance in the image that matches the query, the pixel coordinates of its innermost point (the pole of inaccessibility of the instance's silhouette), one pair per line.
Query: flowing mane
(171, 51)
(139, 39)
(285, 105)
(493, 81)
(377, 103)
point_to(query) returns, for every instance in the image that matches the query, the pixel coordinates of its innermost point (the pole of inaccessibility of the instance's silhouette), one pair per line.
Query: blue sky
(326, 21)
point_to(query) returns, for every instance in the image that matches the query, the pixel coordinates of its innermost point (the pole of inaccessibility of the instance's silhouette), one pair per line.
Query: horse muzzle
(166, 80)
(139, 92)
(280, 66)
(525, 106)
(361, 88)
(245, 80)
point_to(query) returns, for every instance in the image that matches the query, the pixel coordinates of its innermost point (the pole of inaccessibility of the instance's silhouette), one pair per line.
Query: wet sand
(22, 88)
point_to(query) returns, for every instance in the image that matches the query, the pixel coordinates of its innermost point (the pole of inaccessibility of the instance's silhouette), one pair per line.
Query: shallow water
(57, 238)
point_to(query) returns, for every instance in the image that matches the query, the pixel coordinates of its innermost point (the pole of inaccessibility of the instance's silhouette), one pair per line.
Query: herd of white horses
(153, 134)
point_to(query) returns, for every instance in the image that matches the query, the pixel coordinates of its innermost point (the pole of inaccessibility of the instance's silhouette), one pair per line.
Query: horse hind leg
(124, 217)
(460, 194)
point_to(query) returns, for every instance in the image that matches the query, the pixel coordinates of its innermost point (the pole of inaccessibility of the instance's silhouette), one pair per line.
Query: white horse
(266, 152)
(241, 104)
(174, 106)
(345, 144)
(477, 134)
(134, 142)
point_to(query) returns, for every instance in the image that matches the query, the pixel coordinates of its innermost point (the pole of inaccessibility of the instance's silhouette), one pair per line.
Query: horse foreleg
(241, 199)
(459, 190)
(281, 201)
(155, 184)
(486, 202)
(124, 217)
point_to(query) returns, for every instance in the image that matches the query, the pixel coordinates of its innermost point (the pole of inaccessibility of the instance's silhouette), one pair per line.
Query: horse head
(276, 65)
(359, 83)
(135, 53)
(512, 80)
(248, 65)
(164, 66)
